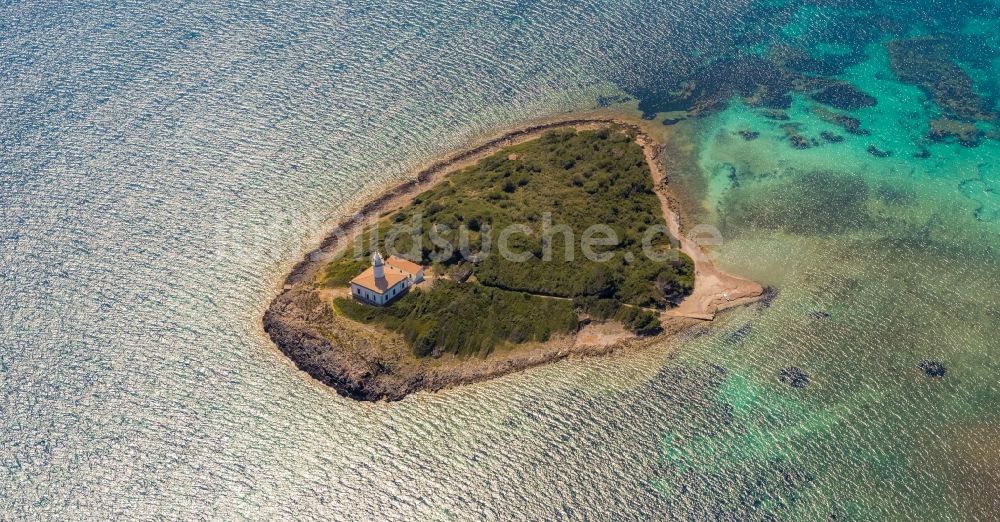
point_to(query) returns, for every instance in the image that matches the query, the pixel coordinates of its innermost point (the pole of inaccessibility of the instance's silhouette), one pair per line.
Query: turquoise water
(163, 165)
(881, 262)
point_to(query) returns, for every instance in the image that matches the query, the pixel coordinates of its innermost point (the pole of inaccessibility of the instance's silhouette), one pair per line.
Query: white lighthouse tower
(378, 264)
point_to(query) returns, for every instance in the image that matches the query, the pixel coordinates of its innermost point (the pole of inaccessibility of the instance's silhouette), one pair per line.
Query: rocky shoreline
(295, 321)
(304, 328)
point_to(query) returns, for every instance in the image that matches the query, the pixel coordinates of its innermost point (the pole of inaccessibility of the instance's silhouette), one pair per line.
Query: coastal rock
(794, 377)
(767, 298)
(288, 321)
(932, 368)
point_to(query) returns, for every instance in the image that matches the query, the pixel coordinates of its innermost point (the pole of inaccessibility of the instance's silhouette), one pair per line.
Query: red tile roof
(404, 264)
(367, 280)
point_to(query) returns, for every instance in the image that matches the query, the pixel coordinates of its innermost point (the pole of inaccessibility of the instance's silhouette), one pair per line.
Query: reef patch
(927, 62)
(844, 96)
(943, 129)
(794, 377)
(932, 368)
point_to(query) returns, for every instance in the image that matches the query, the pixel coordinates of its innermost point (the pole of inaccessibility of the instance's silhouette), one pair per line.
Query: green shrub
(341, 271)
(599, 309)
(639, 321)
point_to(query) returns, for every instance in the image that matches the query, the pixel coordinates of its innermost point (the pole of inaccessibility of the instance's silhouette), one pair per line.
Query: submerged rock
(927, 62)
(749, 135)
(767, 297)
(740, 335)
(967, 134)
(877, 152)
(893, 195)
(932, 368)
(734, 179)
(800, 60)
(776, 115)
(712, 85)
(849, 123)
(607, 101)
(794, 377)
(797, 140)
(844, 96)
(852, 125)
(831, 137)
(819, 314)
(922, 154)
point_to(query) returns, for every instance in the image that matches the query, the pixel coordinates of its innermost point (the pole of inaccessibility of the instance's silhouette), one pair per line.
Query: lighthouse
(378, 265)
(386, 280)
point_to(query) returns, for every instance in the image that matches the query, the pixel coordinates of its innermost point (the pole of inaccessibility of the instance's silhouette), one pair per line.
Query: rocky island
(549, 241)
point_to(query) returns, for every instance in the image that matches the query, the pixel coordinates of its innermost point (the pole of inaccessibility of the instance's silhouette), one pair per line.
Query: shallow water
(163, 165)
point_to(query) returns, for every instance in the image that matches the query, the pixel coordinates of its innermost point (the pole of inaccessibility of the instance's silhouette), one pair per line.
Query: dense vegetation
(556, 187)
(638, 320)
(579, 179)
(466, 318)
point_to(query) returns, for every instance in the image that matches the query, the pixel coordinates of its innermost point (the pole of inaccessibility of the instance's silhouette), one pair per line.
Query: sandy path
(714, 290)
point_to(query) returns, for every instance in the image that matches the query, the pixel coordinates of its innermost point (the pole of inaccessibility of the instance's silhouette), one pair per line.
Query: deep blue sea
(164, 164)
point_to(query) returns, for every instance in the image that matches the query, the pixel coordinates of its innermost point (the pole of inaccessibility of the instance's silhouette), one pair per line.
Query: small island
(550, 241)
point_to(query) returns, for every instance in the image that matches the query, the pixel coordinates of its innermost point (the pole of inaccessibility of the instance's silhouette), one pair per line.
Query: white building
(386, 280)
